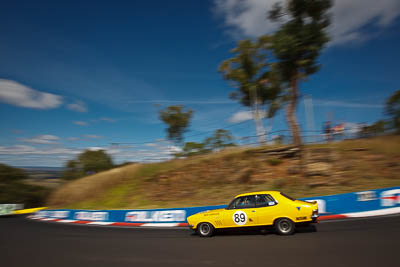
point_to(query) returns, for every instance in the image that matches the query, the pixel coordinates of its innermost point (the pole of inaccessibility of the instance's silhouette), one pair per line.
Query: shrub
(274, 161)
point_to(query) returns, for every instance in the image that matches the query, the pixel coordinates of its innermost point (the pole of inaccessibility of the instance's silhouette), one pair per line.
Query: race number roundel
(239, 217)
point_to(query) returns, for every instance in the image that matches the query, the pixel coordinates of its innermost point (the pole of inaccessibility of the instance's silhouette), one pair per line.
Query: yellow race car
(257, 209)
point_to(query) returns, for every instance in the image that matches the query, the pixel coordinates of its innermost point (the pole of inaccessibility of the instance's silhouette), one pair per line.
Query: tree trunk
(257, 116)
(294, 127)
(290, 112)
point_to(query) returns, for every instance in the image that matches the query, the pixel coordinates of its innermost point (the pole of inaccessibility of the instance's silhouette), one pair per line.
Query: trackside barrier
(8, 209)
(360, 204)
(28, 211)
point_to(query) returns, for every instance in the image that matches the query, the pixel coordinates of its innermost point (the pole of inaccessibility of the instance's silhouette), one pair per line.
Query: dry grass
(215, 178)
(91, 186)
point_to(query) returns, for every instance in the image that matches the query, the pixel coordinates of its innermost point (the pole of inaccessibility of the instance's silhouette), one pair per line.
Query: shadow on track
(258, 231)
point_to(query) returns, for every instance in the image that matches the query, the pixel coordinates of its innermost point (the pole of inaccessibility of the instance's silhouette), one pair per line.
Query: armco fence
(360, 204)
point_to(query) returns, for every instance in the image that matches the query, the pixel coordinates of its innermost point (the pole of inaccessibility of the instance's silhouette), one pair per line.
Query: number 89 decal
(239, 217)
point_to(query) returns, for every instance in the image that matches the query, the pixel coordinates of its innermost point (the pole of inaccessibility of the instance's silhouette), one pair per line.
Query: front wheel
(205, 229)
(284, 226)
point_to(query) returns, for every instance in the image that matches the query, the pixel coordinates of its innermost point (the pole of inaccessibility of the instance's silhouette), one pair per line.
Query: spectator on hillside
(328, 131)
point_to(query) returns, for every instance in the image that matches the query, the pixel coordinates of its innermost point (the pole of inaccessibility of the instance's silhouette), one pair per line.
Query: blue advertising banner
(359, 202)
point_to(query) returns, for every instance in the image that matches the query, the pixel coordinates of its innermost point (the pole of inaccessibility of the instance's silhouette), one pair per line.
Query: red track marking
(331, 217)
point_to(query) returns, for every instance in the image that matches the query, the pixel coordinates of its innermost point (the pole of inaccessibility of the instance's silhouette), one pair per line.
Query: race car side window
(264, 201)
(245, 202)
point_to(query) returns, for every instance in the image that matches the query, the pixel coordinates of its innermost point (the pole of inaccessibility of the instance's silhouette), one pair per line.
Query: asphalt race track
(366, 242)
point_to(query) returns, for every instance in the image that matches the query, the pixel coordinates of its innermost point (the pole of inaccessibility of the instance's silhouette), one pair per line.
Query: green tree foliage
(296, 45)
(178, 119)
(376, 129)
(220, 139)
(93, 161)
(88, 162)
(73, 170)
(193, 148)
(14, 191)
(10, 174)
(248, 70)
(393, 110)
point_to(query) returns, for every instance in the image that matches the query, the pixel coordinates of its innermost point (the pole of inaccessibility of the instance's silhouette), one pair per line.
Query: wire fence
(162, 150)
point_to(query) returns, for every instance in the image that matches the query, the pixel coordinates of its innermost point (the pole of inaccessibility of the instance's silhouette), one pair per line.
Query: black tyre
(284, 226)
(205, 229)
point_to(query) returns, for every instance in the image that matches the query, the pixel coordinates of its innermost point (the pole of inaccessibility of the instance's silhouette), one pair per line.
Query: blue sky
(86, 74)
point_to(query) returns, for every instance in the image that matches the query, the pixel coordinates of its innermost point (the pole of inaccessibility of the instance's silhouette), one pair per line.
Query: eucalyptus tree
(220, 139)
(178, 119)
(393, 110)
(296, 46)
(248, 71)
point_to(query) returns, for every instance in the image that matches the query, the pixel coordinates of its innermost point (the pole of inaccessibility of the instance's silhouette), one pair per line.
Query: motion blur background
(156, 104)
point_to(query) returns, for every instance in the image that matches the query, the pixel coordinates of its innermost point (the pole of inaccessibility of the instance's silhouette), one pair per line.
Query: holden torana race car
(257, 209)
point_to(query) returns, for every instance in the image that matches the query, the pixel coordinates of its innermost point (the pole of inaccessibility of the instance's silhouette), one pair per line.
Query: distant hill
(42, 172)
(40, 168)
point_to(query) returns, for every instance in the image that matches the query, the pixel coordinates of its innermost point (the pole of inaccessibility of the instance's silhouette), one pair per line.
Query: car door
(241, 212)
(267, 209)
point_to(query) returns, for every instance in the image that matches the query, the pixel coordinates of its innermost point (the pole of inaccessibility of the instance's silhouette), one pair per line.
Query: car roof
(257, 193)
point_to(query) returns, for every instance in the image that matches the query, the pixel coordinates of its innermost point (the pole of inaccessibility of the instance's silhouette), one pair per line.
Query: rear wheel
(284, 226)
(205, 229)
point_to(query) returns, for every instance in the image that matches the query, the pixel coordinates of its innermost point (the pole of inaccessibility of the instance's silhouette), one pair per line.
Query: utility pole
(309, 110)
(257, 116)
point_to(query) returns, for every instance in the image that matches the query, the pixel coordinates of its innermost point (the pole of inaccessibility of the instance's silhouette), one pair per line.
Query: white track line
(373, 213)
(66, 221)
(160, 224)
(101, 223)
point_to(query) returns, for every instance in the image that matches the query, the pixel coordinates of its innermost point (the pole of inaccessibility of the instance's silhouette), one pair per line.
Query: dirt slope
(215, 178)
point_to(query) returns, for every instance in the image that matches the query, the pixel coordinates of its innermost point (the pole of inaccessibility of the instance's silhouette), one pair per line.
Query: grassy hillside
(215, 178)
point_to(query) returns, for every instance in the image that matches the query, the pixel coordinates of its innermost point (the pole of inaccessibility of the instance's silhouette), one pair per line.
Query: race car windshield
(231, 205)
(283, 194)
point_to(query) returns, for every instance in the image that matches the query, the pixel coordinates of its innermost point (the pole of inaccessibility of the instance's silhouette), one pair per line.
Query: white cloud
(42, 139)
(78, 106)
(72, 139)
(30, 150)
(19, 95)
(93, 136)
(107, 119)
(248, 18)
(240, 116)
(344, 104)
(20, 155)
(80, 123)
(187, 101)
(151, 145)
